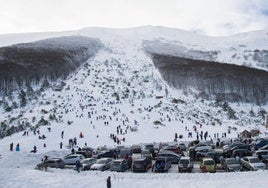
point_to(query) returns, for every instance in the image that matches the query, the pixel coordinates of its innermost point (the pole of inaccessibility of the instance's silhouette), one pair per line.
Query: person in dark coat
(11, 147)
(109, 185)
(78, 166)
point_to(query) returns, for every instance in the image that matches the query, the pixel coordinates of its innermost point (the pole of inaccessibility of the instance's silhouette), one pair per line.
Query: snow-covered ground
(120, 86)
(17, 169)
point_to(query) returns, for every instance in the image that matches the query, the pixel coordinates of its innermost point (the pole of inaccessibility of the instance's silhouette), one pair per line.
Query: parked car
(52, 163)
(182, 146)
(87, 163)
(102, 164)
(228, 149)
(215, 155)
(260, 143)
(106, 154)
(192, 150)
(185, 164)
(119, 165)
(146, 153)
(141, 165)
(85, 153)
(135, 156)
(231, 165)
(126, 153)
(252, 163)
(135, 148)
(151, 148)
(207, 164)
(173, 148)
(173, 157)
(202, 153)
(241, 153)
(262, 155)
(72, 158)
(264, 147)
(162, 164)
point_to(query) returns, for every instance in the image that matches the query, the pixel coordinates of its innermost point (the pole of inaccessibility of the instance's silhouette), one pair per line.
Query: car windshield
(102, 161)
(232, 161)
(88, 161)
(149, 147)
(184, 161)
(262, 153)
(209, 162)
(254, 160)
(115, 163)
(125, 151)
(139, 162)
(145, 152)
(71, 157)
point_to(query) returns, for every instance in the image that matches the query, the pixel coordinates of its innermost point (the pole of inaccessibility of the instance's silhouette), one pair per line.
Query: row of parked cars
(139, 158)
(232, 156)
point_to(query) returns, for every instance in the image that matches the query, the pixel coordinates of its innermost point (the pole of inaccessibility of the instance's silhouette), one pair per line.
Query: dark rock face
(50, 58)
(215, 81)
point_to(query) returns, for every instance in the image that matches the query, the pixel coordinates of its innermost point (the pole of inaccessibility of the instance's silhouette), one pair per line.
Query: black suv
(141, 164)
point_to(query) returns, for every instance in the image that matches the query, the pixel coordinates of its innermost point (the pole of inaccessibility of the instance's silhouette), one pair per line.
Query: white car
(135, 156)
(252, 163)
(87, 163)
(102, 164)
(71, 159)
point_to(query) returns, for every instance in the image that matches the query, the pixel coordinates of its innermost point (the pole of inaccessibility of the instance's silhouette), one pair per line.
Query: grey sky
(210, 17)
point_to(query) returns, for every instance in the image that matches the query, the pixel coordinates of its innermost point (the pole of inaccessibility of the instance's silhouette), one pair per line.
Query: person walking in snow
(109, 185)
(61, 145)
(78, 166)
(11, 147)
(18, 147)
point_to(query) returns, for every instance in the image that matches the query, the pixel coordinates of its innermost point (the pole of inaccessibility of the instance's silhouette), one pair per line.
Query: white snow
(123, 69)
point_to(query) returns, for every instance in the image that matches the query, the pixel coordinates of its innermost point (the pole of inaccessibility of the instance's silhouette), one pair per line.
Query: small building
(245, 134)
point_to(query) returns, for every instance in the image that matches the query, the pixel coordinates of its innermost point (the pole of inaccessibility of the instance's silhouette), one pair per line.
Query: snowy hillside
(120, 86)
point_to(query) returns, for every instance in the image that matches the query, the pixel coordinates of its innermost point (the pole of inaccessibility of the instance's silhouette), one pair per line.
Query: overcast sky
(209, 17)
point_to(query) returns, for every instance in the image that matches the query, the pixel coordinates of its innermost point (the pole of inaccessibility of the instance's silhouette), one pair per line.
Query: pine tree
(22, 97)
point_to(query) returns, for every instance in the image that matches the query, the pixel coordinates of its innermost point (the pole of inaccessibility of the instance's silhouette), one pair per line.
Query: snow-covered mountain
(122, 86)
(248, 49)
(122, 78)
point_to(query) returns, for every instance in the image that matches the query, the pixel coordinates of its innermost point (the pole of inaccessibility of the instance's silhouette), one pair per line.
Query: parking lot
(171, 159)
